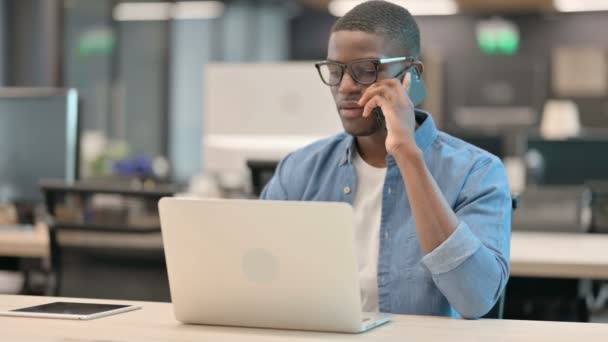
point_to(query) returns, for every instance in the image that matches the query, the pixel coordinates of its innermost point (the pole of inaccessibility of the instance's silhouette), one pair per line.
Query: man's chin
(360, 128)
(361, 132)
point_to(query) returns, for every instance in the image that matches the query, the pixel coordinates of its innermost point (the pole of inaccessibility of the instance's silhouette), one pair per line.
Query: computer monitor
(38, 139)
(572, 161)
(262, 111)
(497, 94)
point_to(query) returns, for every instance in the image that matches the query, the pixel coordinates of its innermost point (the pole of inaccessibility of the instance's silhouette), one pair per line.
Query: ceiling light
(580, 5)
(142, 11)
(158, 11)
(198, 10)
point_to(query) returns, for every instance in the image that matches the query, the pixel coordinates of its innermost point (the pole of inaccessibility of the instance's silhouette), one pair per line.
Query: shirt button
(347, 190)
(386, 236)
(390, 190)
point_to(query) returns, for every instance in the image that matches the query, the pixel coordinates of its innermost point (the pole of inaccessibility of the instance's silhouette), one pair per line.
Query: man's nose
(348, 84)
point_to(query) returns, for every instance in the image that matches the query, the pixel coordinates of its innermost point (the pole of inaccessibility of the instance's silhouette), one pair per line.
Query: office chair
(261, 173)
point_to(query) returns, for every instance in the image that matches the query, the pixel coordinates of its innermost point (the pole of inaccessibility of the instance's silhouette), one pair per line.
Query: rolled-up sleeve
(471, 267)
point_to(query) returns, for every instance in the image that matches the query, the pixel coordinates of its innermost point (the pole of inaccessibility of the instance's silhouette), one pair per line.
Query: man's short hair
(386, 19)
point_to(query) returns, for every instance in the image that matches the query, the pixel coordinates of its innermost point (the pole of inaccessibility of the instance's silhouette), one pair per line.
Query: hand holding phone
(396, 100)
(417, 93)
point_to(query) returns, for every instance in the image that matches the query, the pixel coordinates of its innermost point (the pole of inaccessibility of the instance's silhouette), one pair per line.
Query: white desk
(28, 243)
(155, 322)
(559, 255)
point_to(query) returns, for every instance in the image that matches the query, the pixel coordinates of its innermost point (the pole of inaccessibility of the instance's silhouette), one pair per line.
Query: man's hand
(434, 218)
(392, 97)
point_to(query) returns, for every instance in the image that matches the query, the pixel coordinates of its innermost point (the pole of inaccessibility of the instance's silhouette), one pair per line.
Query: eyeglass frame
(376, 61)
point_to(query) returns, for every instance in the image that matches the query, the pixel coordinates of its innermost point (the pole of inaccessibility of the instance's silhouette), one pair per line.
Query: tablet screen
(66, 308)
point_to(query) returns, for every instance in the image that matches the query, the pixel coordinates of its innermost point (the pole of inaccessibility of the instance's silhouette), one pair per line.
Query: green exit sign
(497, 37)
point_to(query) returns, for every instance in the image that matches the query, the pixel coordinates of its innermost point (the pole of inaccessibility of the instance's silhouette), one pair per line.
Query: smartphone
(417, 94)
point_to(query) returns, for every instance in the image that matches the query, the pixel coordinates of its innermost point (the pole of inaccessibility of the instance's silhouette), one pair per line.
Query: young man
(432, 213)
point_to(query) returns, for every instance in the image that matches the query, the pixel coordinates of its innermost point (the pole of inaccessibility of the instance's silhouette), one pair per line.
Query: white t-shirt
(367, 206)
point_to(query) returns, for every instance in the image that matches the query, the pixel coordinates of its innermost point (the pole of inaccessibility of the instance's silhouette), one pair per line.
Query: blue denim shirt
(465, 274)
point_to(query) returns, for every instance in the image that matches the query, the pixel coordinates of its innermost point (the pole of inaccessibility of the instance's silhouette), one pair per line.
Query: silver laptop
(265, 264)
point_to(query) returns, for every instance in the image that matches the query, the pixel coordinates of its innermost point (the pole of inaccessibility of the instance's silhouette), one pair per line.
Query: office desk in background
(29, 247)
(155, 322)
(559, 255)
(533, 254)
(553, 275)
(25, 243)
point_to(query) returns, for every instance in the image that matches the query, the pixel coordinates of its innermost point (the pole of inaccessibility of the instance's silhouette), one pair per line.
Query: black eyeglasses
(363, 71)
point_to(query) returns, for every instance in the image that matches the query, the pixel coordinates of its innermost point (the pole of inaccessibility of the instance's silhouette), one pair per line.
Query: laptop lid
(271, 264)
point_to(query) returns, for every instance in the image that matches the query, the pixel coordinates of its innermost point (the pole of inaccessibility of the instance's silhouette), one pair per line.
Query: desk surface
(155, 322)
(559, 255)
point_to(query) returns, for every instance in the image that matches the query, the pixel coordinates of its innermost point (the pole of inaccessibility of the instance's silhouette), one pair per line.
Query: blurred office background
(119, 103)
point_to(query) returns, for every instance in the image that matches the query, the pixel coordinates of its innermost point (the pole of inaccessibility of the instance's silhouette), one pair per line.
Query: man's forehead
(356, 45)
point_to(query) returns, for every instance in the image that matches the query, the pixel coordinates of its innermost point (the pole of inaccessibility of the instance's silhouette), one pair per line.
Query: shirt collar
(425, 134)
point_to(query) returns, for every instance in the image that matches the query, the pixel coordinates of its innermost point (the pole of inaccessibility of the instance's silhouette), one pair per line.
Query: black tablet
(70, 310)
